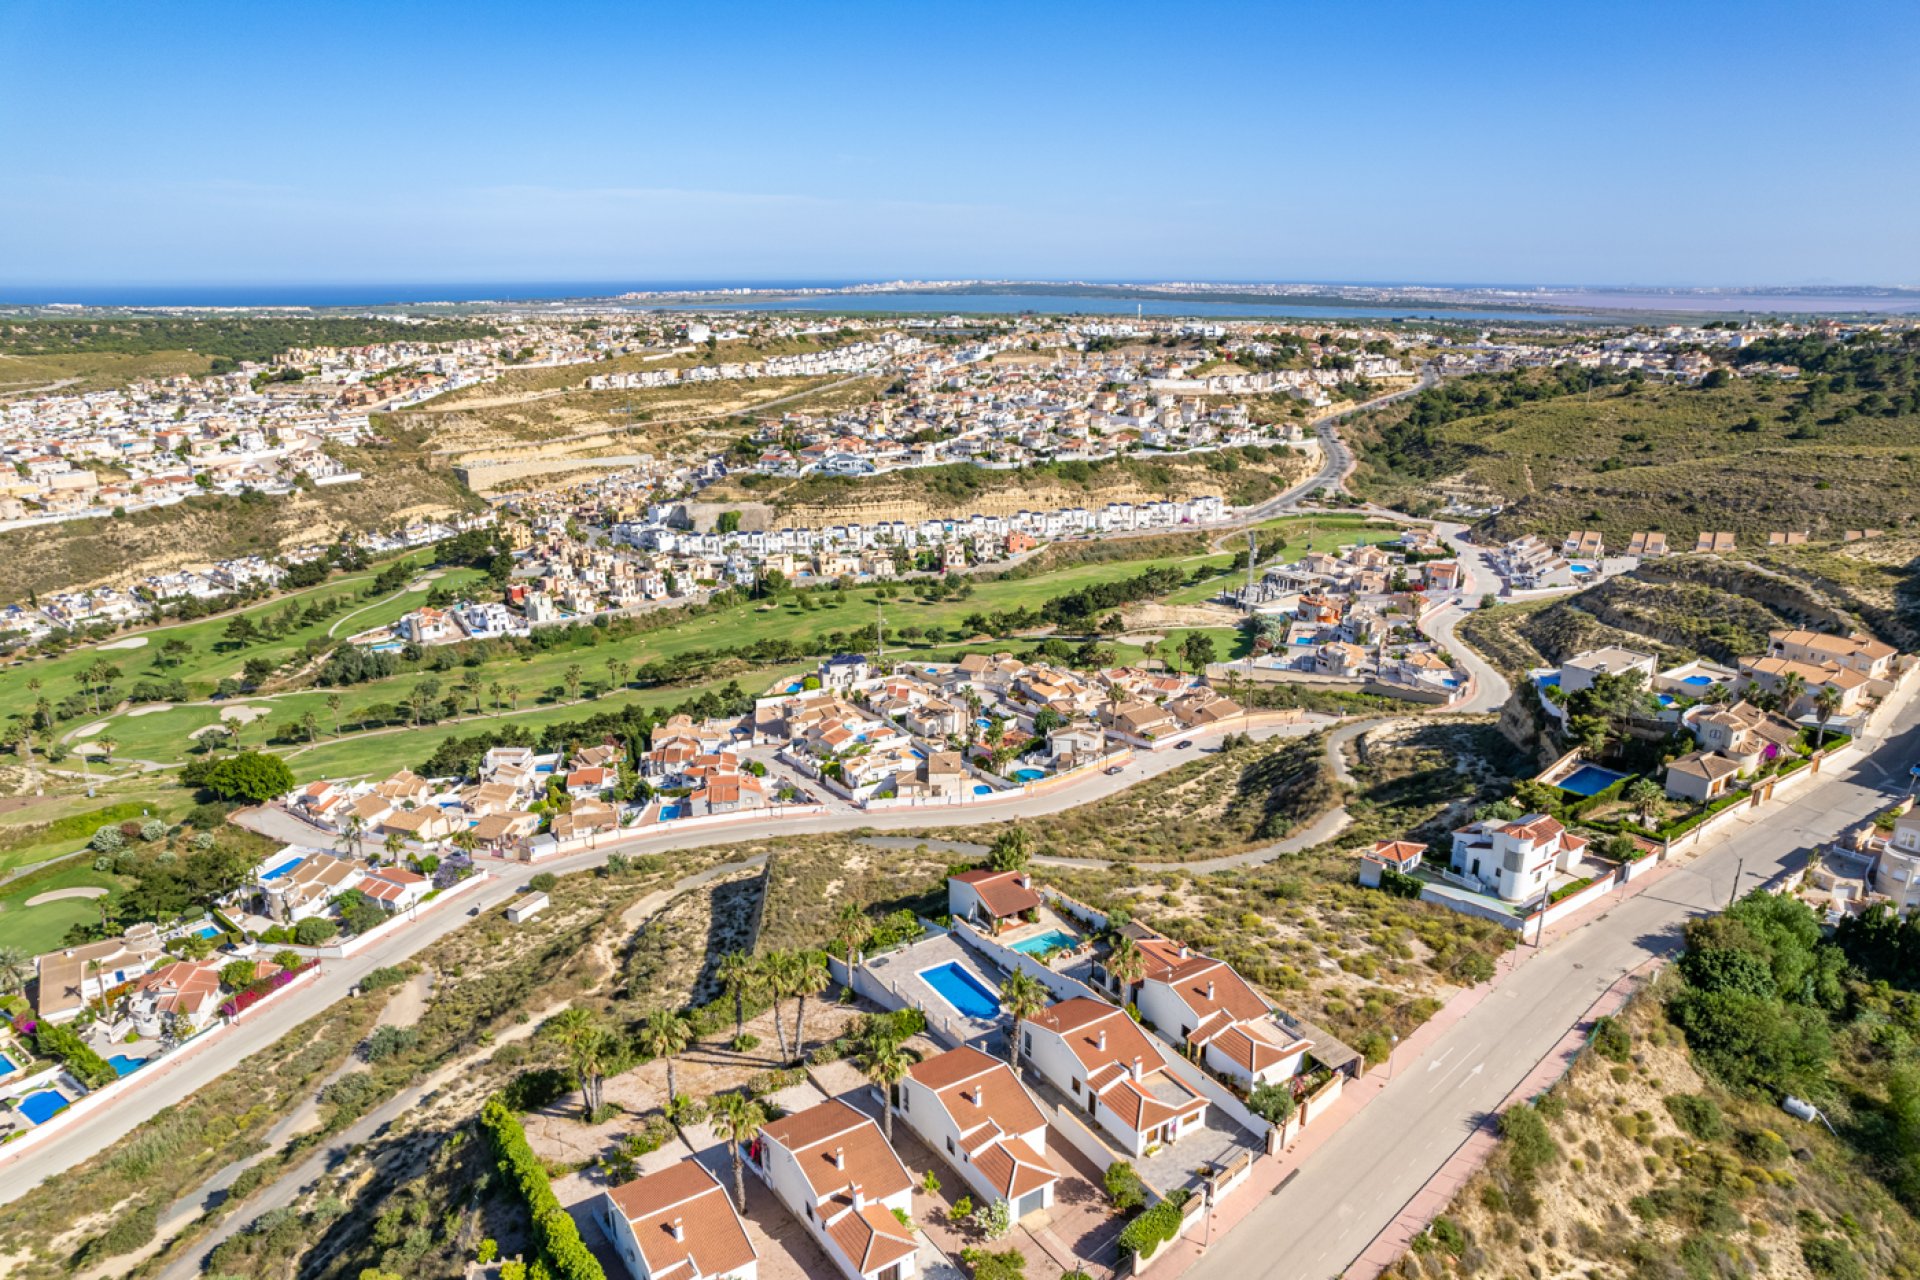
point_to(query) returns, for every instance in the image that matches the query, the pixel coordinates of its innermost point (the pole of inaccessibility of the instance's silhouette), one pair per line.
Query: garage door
(1029, 1202)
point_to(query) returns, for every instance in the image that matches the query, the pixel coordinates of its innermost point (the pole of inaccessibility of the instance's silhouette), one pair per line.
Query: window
(1026, 1043)
(950, 1145)
(1076, 1085)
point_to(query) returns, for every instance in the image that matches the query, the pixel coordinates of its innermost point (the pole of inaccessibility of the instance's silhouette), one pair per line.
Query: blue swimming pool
(1028, 775)
(7, 1066)
(208, 931)
(1548, 680)
(124, 1066)
(982, 789)
(968, 995)
(668, 812)
(1589, 780)
(1697, 682)
(43, 1106)
(284, 867)
(1051, 940)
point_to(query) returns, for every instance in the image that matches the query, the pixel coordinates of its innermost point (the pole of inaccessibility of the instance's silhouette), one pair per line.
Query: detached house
(678, 1224)
(1515, 859)
(1104, 1063)
(1206, 1008)
(991, 898)
(185, 989)
(975, 1110)
(832, 1169)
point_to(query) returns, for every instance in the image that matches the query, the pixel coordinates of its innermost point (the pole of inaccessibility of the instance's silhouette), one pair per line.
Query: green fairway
(39, 929)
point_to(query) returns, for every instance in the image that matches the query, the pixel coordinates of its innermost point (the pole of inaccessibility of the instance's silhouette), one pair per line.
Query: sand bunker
(131, 642)
(61, 895)
(244, 715)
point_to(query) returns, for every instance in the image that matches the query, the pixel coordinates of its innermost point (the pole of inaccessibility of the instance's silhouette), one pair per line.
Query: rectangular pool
(124, 1066)
(1051, 940)
(284, 867)
(970, 997)
(7, 1066)
(43, 1106)
(1589, 780)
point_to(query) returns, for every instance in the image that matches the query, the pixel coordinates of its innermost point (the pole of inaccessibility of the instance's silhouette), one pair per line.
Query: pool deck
(1048, 920)
(899, 971)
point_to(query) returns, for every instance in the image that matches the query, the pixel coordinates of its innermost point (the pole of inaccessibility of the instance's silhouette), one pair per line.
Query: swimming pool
(284, 867)
(1028, 775)
(1051, 940)
(7, 1066)
(208, 931)
(982, 789)
(969, 996)
(668, 812)
(1589, 780)
(43, 1106)
(1697, 682)
(124, 1066)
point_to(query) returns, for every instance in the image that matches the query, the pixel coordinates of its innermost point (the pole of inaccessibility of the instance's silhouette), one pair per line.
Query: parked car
(1183, 744)
(1114, 769)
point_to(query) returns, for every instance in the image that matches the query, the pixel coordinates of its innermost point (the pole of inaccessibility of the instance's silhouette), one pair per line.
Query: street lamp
(1393, 1043)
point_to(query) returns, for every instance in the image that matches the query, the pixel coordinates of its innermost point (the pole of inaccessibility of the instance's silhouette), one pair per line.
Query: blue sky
(1679, 142)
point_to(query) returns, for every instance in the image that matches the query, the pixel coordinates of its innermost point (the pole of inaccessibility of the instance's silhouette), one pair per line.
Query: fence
(341, 950)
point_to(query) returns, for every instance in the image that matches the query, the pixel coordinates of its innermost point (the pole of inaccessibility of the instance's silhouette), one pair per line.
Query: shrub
(107, 840)
(1124, 1187)
(388, 1042)
(130, 1229)
(531, 1090)
(543, 882)
(350, 1094)
(1697, 1115)
(1007, 1264)
(382, 978)
(1153, 1227)
(1830, 1259)
(1447, 1234)
(489, 1250)
(566, 1256)
(1611, 1040)
(314, 930)
(1271, 1102)
(1529, 1145)
(745, 1042)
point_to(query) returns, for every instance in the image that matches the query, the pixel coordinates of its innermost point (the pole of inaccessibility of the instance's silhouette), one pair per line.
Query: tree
(1825, 704)
(333, 710)
(852, 929)
(810, 977)
(16, 966)
(590, 1050)
(1128, 964)
(1646, 797)
(236, 974)
(739, 1118)
(1197, 651)
(253, 776)
(572, 679)
(1010, 851)
(737, 976)
(312, 931)
(887, 1064)
(986, 1264)
(1023, 997)
(666, 1034)
(310, 725)
(775, 974)
(1791, 688)
(1271, 1101)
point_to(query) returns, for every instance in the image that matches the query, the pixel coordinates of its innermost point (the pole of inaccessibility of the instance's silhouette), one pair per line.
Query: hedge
(1153, 1227)
(88, 1067)
(565, 1254)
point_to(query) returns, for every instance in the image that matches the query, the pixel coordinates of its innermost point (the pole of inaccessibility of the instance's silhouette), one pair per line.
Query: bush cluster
(561, 1248)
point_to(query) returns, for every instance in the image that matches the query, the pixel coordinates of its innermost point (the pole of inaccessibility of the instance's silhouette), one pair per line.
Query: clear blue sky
(1679, 142)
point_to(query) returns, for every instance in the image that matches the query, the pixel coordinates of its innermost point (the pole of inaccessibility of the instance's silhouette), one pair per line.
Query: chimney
(1184, 953)
(1136, 1068)
(1100, 1039)
(1209, 988)
(839, 1157)
(859, 1197)
(678, 1228)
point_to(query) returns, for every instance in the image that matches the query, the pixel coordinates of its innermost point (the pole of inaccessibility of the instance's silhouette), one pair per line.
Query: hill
(1665, 1155)
(1830, 450)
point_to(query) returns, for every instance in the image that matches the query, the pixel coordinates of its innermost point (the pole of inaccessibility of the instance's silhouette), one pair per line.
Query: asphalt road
(1354, 1186)
(181, 1074)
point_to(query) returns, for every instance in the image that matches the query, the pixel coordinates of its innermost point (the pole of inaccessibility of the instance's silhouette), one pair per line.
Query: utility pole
(880, 635)
(1739, 870)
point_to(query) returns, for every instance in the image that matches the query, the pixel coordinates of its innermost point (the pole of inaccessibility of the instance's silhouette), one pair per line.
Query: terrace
(947, 981)
(1046, 936)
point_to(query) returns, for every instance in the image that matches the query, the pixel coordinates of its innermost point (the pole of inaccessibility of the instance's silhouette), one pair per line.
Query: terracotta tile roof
(1397, 852)
(688, 1196)
(870, 1235)
(1002, 891)
(833, 1130)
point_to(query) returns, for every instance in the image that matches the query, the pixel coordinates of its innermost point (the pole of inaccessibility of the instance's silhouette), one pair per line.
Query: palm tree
(353, 832)
(591, 1052)
(773, 973)
(333, 709)
(851, 931)
(1645, 796)
(572, 678)
(311, 724)
(739, 1118)
(1792, 686)
(513, 696)
(810, 978)
(887, 1064)
(666, 1034)
(395, 842)
(736, 973)
(107, 745)
(15, 965)
(494, 690)
(1825, 703)
(1022, 996)
(1128, 964)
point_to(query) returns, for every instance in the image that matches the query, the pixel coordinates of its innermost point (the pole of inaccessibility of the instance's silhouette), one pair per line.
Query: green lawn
(60, 823)
(39, 929)
(1303, 534)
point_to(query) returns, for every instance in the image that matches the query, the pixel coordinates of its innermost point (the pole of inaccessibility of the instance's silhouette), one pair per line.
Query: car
(1183, 744)
(473, 911)
(1114, 770)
